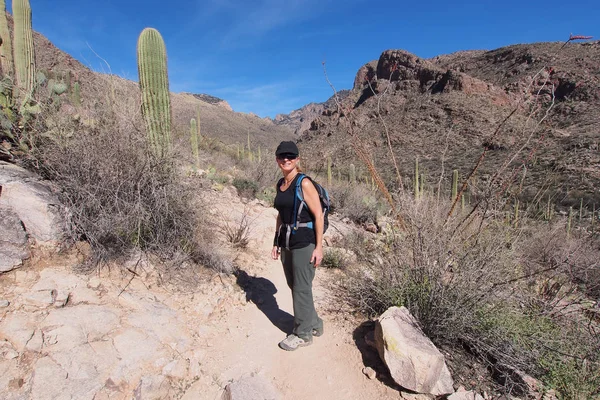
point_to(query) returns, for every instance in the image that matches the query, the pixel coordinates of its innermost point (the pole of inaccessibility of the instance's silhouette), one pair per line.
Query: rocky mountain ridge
(301, 119)
(460, 100)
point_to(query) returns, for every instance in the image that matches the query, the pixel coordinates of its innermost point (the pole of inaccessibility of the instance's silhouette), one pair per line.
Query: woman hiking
(299, 242)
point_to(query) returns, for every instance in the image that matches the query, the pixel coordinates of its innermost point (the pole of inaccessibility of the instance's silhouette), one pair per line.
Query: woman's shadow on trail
(261, 292)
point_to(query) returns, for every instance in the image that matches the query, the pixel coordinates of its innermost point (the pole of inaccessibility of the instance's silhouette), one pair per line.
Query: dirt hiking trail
(124, 333)
(245, 339)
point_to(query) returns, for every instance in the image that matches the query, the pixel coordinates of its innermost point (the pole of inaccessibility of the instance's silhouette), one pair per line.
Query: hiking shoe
(317, 332)
(292, 342)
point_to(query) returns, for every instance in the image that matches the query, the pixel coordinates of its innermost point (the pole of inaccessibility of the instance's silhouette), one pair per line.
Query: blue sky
(264, 56)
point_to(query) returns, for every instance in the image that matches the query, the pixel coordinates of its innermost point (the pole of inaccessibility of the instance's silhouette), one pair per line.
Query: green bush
(245, 187)
(334, 258)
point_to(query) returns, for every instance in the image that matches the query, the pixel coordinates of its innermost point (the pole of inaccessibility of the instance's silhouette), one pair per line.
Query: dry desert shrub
(120, 197)
(475, 286)
(355, 201)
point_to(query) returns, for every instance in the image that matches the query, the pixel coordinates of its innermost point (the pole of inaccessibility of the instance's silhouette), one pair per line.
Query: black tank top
(284, 203)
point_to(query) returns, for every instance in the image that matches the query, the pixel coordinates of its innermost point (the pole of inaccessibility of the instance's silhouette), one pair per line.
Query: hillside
(300, 120)
(218, 120)
(461, 99)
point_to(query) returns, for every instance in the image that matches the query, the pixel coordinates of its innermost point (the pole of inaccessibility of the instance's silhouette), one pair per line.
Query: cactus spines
(24, 56)
(6, 57)
(194, 142)
(154, 85)
(352, 173)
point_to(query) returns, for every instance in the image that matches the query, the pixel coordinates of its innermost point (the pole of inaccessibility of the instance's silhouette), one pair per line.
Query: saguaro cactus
(454, 184)
(154, 84)
(416, 179)
(194, 142)
(6, 57)
(24, 54)
(329, 176)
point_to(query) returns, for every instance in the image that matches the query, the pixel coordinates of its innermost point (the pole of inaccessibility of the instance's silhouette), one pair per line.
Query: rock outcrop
(13, 240)
(34, 202)
(413, 360)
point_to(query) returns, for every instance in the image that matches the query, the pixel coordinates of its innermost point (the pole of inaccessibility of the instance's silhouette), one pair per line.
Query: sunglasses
(287, 156)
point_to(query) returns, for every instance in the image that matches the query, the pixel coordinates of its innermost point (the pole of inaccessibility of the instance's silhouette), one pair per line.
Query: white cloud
(248, 21)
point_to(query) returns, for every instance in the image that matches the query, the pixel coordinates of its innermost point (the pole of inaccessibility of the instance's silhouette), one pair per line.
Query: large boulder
(13, 240)
(413, 360)
(34, 202)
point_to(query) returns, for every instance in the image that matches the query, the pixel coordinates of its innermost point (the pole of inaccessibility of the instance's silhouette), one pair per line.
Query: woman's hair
(298, 168)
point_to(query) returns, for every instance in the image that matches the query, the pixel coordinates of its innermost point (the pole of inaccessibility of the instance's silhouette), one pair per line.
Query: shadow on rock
(364, 339)
(261, 292)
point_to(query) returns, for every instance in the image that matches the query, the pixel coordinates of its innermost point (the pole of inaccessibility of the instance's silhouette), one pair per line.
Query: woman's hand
(275, 253)
(317, 256)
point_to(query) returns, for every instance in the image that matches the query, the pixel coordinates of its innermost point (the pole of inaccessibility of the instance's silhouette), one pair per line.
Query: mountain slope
(461, 99)
(217, 119)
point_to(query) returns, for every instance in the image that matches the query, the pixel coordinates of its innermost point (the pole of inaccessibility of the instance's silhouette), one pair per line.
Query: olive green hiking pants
(299, 274)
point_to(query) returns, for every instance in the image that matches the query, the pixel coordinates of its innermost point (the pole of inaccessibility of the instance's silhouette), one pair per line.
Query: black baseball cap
(286, 147)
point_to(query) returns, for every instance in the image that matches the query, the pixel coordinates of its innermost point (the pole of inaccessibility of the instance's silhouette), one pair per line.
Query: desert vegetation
(511, 285)
(489, 266)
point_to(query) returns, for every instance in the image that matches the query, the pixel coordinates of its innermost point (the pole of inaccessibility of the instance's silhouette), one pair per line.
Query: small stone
(94, 283)
(415, 396)
(11, 354)
(371, 228)
(61, 299)
(42, 298)
(176, 369)
(36, 342)
(465, 395)
(4, 303)
(369, 372)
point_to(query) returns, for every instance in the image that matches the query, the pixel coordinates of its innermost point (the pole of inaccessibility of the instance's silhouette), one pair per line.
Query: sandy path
(245, 342)
(115, 335)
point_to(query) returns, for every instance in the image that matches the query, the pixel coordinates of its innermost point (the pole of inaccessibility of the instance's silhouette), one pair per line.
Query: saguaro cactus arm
(24, 56)
(6, 57)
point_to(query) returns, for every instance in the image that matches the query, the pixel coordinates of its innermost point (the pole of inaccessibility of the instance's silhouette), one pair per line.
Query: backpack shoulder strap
(301, 176)
(298, 195)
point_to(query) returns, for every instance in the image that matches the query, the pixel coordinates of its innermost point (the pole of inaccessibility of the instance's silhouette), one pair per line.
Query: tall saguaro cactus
(154, 85)
(194, 142)
(6, 57)
(24, 56)
(416, 179)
